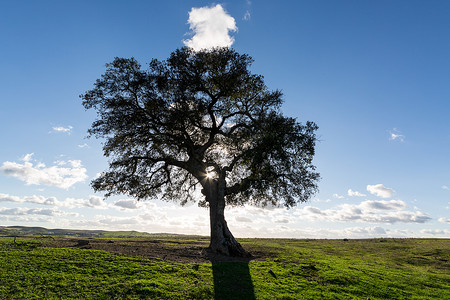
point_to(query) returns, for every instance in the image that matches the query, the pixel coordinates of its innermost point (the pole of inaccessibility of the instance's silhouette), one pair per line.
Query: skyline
(373, 76)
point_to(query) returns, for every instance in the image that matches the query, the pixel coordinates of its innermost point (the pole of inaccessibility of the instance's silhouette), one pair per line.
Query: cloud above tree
(210, 27)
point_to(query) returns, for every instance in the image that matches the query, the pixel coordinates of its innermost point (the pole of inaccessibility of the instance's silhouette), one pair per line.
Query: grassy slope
(39, 231)
(298, 269)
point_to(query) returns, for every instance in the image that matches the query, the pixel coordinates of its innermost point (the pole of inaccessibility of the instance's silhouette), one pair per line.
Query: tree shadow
(232, 279)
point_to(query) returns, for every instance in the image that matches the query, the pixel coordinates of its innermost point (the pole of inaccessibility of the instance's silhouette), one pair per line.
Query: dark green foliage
(196, 113)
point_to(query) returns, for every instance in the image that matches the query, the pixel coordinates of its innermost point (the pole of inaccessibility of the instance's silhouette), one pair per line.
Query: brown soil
(179, 250)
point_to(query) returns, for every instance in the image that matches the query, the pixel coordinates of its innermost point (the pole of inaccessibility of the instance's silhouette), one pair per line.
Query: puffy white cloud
(313, 210)
(92, 202)
(354, 193)
(402, 217)
(63, 175)
(387, 212)
(338, 196)
(444, 187)
(28, 157)
(118, 221)
(211, 26)
(444, 220)
(9, 198)
(127, 204)
(281, 231)
(281, 220)
(27, 219)
(445, 232)
(62, 129)
(96, 201)
(106, 222)
(147, 217)
(317, 200)
(20, 211)
(384, 205)
(51, 201)
(30, 199)
(162, 219)
(380, 190)
(364, 231)
(243, 219)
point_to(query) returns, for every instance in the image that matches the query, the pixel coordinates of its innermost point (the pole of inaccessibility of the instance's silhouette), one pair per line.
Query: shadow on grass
(232, 278)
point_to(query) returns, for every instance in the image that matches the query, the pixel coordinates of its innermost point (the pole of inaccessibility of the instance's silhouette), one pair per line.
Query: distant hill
(32, 231)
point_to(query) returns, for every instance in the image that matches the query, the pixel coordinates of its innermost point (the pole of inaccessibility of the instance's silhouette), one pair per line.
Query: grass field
(31, 268)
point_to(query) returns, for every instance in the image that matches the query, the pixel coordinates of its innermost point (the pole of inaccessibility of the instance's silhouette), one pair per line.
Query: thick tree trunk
(222, 240)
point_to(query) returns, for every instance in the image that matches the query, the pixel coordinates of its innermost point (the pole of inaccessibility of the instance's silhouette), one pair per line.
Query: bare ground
(179, 250)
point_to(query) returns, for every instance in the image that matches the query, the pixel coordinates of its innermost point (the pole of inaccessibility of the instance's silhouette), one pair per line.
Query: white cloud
(338, 196)
(444, 220)
(52, 201)
(247, 16)
(354, 193)
(9, 198)
(118, 221)
(281, 231)
(282, 220)
(395, 135)
(243, 219)
(313, 211)
(436, 231)
(106, 222)
(127, 204)
(384, 205)
(96, 201)
(92, 202)
(147, 217)
(148, 222)
(444, 187)
(364, 231)
(387, 212)
(30, 199)
(83, 146)
(28, 157)
(28, 219)
(63, 175)
(317, 200)
(62, 129)
(19, 211)
(380, 190)
(211, 26)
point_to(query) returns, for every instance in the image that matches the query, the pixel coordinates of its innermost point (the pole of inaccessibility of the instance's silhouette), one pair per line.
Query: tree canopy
(198, 119)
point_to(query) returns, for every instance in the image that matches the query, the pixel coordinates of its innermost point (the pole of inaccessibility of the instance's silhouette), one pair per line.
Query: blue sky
(374, 75)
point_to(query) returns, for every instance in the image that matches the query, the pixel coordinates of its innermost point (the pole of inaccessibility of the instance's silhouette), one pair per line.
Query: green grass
(296, 269)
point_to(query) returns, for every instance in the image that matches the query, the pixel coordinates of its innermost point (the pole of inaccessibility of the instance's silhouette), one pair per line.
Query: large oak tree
(200, 120)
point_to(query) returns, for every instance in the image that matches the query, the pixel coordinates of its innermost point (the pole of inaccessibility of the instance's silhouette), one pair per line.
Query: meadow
(176, 267)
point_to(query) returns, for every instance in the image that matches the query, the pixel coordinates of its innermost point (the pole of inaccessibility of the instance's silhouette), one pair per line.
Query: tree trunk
(222, 240)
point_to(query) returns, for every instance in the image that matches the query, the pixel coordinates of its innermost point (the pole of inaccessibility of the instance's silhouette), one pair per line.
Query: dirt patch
(187, 251)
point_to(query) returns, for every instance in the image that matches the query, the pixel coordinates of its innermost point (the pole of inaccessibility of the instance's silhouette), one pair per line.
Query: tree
(200, 120)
